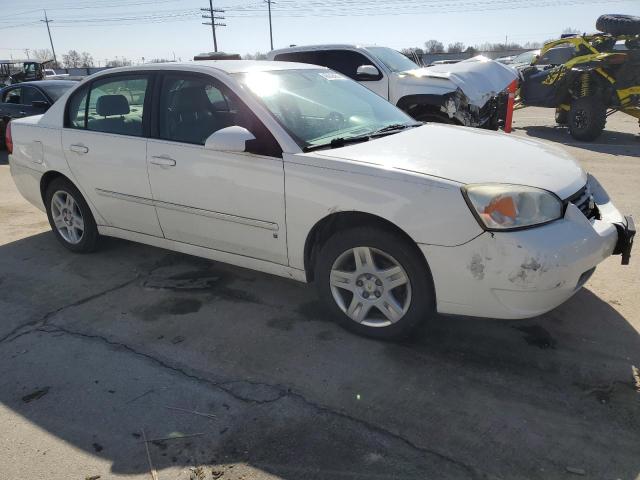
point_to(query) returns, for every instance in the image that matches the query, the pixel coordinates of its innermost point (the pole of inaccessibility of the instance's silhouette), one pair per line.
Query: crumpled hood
(469, 155)
(479, 77)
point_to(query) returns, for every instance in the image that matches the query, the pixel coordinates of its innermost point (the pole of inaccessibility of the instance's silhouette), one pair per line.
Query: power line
(212, 16)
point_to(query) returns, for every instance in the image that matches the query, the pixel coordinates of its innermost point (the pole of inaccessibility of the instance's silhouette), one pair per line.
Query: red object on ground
(510, 103)
(8, 140)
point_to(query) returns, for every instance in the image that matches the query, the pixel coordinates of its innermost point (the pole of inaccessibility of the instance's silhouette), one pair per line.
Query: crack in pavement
(283, 393)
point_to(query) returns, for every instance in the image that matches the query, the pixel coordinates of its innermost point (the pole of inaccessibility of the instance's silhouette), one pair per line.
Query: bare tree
(71, 59)
(457, 47)
(118, 62)
(434, 46)
(255, 56)
(570, 30)
(86, 60)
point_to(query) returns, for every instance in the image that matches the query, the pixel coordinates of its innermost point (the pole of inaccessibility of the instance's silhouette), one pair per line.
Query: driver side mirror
(40, 104)
(367, 72)
(230, 139)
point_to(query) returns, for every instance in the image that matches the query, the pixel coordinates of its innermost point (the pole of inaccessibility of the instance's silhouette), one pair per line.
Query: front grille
(583, 199)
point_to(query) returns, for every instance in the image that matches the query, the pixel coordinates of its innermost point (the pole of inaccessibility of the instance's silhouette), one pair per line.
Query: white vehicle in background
(50, 74)
(471, 92)
(298, 171)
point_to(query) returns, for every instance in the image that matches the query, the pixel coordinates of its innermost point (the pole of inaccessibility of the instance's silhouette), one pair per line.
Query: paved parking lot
(234, 374)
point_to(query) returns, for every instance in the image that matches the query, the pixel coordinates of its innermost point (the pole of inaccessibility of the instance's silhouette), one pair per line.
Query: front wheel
(375, 282)
(70, 217)
(587, 117)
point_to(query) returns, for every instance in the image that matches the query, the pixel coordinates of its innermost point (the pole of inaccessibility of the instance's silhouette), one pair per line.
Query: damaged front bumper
(525, 273)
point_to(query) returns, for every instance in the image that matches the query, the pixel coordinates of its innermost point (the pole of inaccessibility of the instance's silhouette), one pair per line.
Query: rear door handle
(163, 160)
(22, 113)
(79, 148)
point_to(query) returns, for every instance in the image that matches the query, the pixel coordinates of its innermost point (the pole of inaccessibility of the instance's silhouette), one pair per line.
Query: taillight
(7, 138)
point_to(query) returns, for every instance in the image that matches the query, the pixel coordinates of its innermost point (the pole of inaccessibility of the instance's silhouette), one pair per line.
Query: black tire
(587, 118)
(89, 239)
(421, 305)
(562, 116)
(3, 131)
(619, 24)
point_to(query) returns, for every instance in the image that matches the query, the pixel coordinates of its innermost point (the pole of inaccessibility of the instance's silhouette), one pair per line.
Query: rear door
(11, 104)
(104, 141)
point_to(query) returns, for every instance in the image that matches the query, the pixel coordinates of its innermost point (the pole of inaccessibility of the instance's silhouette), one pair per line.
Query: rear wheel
(70, 217)
(3, 131)
(587, 118)
(375, 282)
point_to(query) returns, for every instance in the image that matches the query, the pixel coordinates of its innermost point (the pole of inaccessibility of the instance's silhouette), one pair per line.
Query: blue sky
(468, 21)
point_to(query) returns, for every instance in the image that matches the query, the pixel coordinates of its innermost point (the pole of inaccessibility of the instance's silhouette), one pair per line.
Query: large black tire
(88, 240)
(421, 298)
(619, 24)
(587, 118)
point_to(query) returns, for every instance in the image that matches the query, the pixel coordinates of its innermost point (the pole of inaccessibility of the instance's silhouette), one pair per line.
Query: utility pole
(47, 21)
(269, 2)
(212, 16)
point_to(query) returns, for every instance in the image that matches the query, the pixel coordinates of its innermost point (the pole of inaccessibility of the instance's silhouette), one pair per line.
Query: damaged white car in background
(298, 171)
(471, 93)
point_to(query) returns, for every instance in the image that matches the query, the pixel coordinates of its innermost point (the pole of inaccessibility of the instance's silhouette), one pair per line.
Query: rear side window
(13, 96)
(116, 105)
(76, 109)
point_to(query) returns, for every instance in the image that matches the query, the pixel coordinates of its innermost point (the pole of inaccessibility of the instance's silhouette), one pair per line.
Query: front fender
(429, 210)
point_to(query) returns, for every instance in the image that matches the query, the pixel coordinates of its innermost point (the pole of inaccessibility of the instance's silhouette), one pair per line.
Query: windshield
(318, 106)
(56, 91)
(526, 57)
(393, 60)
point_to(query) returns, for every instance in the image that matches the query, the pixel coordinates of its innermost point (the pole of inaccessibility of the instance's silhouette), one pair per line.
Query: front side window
(193, 107)
(30, 95)
(343, 61)
(392, 59)
(116, 105)
(13, 96)
(317, 106)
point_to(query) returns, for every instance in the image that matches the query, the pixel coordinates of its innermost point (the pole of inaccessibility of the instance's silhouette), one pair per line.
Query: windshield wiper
(395, 127)
(337, 142)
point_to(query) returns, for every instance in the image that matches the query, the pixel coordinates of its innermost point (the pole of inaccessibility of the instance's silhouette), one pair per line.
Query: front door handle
(79, 148)
(163, 160)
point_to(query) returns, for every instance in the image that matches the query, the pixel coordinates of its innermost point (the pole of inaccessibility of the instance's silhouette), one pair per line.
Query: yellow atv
(586, 78)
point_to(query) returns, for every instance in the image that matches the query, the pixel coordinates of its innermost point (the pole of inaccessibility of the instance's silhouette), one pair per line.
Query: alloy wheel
(67, 217)
(370, 286)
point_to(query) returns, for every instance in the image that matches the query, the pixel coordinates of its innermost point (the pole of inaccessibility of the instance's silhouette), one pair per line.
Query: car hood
(479, 77)
(469, 155)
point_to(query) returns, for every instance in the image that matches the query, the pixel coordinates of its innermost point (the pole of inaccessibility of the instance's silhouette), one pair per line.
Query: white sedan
(298, 171)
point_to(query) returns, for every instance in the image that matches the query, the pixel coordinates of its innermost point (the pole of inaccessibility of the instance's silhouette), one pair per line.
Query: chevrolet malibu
(298, 171)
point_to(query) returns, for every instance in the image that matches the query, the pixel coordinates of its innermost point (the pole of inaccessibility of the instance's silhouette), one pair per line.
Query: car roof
(227, 66)
(327, 46)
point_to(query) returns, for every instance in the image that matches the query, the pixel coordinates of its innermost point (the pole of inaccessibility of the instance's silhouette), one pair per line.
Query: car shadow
(239, 367)
(610, 142)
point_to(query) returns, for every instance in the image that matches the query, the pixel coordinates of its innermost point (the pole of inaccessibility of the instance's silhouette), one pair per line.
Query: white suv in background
(471, 92)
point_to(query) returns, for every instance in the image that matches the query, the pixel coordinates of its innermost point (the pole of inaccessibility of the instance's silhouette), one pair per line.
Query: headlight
(506, 207)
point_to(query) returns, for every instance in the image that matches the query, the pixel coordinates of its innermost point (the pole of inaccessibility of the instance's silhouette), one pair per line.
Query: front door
(105, 145)
(232, 202)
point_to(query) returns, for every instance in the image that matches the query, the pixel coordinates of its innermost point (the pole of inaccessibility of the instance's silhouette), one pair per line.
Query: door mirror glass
(41, 104)
(367, 72)
(229, 139)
